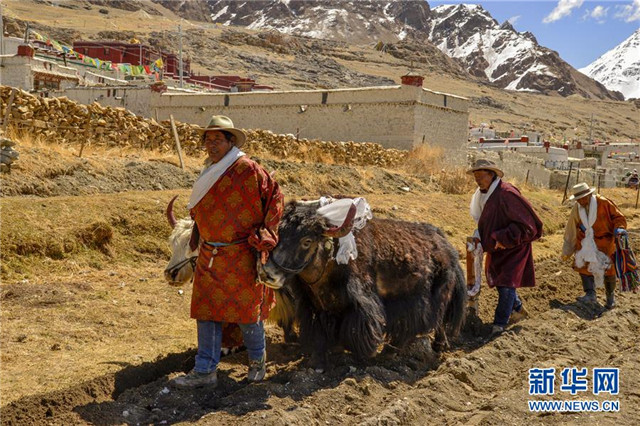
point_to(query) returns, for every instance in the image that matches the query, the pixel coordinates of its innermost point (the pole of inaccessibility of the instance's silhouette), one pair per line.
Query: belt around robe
(214, 245)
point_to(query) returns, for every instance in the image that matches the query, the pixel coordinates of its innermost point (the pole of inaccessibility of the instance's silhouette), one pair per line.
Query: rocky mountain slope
(361, 21)
(619, 68)
(505, 57)
(491, 52)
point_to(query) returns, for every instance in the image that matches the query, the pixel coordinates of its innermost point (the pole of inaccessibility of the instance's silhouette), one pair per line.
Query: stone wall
(395, 116)
(134, 99)
(519, 168)
(61, 120)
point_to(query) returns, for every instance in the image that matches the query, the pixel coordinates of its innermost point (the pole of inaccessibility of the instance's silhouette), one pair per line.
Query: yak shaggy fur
(406, 281)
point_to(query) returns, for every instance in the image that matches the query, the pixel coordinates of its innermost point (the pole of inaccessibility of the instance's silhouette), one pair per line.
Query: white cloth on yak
(589, 253)
(210, 175)
(478, 201)
(335, 211)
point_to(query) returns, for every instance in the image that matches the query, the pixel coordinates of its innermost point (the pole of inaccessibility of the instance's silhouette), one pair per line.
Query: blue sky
(579, 30)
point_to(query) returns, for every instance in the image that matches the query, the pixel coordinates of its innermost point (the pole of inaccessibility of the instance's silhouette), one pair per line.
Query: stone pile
(8, 155)
(60, 120)
(316, 151)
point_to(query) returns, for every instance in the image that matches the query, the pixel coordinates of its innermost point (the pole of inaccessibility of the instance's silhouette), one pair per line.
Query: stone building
(26, 72)
(400, 116)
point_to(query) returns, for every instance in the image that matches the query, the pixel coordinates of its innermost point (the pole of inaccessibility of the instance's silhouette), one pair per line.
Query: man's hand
(499, 246)
(565, 257)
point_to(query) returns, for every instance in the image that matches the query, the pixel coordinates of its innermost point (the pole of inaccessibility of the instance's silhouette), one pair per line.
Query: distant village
(157, 84)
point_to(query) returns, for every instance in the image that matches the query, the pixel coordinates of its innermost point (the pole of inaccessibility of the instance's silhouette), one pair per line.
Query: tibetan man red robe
(608, 218)
(244, 203)
(509, 218)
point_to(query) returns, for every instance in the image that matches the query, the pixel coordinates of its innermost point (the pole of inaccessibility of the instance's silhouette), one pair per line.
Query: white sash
(589, 253)
(479, 200)
(210, 176)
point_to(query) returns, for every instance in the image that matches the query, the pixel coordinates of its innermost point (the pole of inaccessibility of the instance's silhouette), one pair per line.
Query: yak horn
(170, 216)
(345, 228)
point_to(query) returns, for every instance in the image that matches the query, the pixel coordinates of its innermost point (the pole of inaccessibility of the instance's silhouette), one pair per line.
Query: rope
(626, 265)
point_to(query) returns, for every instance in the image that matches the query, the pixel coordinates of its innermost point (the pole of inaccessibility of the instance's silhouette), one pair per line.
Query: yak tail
(457, 308)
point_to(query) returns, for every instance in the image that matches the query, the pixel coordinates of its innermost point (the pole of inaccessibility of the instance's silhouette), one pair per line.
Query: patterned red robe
(244, 202)
(608, 218)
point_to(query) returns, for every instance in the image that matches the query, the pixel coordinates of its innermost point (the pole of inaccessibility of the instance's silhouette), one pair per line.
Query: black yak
(406, 281)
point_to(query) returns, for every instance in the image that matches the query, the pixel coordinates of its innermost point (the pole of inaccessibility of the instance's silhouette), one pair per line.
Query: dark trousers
(508, 301)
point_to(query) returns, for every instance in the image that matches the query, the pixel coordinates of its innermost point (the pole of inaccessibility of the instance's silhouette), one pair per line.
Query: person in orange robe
(237, 207)
(608, 222)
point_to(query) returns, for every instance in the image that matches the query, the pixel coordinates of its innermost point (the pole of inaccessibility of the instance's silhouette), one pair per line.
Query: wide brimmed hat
(223, 123)
(581, 190)
(484, 164)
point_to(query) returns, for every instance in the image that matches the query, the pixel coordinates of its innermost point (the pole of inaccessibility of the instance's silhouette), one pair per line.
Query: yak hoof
(318, 363)
(440, 346)
(290, 337)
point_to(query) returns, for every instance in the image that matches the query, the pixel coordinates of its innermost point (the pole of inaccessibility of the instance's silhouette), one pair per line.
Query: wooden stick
(5, 122)
(566, 186)
(175, 135)
(637, 193)
(81, 148)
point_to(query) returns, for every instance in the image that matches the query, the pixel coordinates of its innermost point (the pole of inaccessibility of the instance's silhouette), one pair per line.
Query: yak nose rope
(173, 271)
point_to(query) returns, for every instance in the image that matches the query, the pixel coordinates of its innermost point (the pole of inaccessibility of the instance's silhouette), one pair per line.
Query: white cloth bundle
(589, 253)
(335, 211)
(210, 175)
(478, 255)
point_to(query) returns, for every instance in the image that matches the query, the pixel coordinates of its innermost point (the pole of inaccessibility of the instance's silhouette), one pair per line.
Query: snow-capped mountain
(619, 68)
(489, 51)
(505, 57)
(357, 21)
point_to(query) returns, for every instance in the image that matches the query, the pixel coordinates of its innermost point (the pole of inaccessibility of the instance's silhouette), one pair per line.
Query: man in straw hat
(590, 233)
(507, 225)
(237, 207)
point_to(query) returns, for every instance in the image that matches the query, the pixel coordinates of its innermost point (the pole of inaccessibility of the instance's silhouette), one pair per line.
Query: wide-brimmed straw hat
(484, 164)
(224, 123)
(581, 190)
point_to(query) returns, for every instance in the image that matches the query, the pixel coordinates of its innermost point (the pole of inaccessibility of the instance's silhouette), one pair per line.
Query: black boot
(589, 288)
(610, 286)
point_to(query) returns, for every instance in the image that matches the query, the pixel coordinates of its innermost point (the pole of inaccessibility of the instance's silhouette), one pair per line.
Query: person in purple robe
(507, 225)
